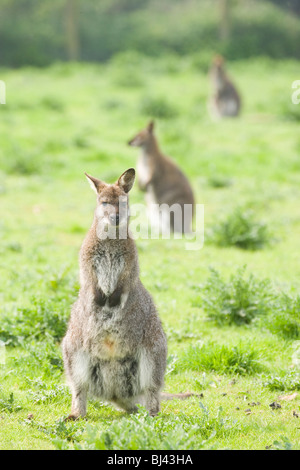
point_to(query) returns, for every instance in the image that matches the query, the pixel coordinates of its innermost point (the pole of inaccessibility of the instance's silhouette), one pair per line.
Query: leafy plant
(43, 318)
(286, 381)
(60, 432)
(236, 301)
(284, 319)
(158, 108)
(241, 229)
(144, 432)
(46, 392)
(8, 403)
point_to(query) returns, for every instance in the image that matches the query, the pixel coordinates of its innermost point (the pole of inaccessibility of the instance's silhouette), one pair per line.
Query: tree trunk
(71, 30)
(224, 19)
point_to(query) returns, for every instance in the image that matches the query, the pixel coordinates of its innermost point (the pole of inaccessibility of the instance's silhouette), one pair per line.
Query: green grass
(233, 336)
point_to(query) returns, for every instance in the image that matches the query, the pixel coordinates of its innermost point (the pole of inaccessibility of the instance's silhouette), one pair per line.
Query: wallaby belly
(115, 379)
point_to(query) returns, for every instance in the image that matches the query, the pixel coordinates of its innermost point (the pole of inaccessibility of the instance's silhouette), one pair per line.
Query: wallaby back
(115, 347)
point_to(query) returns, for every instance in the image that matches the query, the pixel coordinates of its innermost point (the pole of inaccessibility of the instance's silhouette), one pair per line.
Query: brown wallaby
(115, 347)
(225, 101)
(164, 184)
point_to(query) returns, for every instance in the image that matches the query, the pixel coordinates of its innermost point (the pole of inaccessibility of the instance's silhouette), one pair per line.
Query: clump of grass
(220, 182)
(129, 78)
(53, 103)
(210, 356)
(290, 111)
(237, 301)
(22, 162)
(157, 107)
(8, 403)
(241, 229)
(283, 444)
(284, 382)
(284, 320)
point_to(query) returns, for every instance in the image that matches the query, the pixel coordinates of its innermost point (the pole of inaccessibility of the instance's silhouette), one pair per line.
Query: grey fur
(115, 347)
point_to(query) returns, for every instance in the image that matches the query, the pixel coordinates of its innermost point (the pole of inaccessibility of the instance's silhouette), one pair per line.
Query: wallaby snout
(114, 219)
(113, 214)
(143, 138)
(135, 141)
(131, 142)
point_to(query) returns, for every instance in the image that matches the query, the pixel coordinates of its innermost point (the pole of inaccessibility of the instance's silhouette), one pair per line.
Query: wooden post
(224, 9)
(71, 30)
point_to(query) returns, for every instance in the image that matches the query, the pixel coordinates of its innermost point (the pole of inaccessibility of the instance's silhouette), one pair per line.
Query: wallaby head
(218, 70)
(144, 137)
(218, 61)
(112, 200)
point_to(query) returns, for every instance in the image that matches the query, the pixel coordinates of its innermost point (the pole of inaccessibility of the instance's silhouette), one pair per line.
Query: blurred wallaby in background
(225, 100)
(164, 184)
(115, 347)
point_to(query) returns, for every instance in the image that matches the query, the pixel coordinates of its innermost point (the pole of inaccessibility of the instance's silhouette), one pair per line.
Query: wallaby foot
(78, 408)
(71, 417)
(152, 402)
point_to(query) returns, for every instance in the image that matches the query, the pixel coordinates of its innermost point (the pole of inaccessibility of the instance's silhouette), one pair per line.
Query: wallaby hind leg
(152, 402)
(79, 400)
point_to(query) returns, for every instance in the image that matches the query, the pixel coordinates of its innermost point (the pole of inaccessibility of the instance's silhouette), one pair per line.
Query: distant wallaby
(164, 184)
(225, 101)
(115, 347)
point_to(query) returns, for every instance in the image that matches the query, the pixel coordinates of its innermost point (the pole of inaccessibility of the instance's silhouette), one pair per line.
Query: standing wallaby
(225, 101)
(164, 183)
(115, 347)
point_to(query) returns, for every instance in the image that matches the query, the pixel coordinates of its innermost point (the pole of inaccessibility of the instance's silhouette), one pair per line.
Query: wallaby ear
(150, 127)
(95, 184)
(126, 180)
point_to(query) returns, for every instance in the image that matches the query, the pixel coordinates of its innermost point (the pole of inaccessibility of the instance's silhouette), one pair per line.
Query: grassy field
(231, 310)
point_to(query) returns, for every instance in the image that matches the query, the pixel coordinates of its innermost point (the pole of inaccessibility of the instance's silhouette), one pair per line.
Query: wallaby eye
(104, 203)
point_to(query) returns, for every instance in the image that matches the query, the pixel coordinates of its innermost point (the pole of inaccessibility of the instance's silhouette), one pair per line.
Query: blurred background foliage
(35, 32)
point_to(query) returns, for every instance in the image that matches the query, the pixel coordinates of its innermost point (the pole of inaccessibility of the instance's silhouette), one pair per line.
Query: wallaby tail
(180, 396)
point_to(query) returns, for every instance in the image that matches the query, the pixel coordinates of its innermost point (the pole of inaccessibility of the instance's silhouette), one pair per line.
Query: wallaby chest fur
(115, 347)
